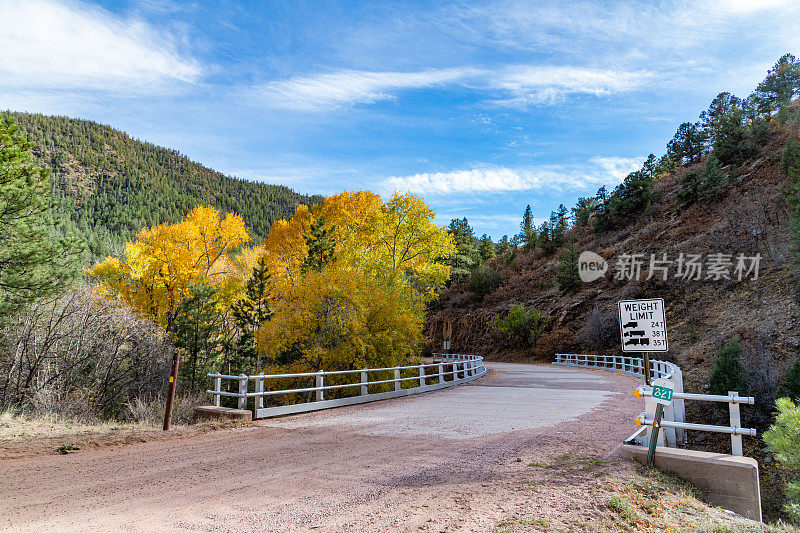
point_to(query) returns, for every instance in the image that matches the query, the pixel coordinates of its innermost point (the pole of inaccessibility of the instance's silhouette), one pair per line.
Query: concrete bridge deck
(445, 460)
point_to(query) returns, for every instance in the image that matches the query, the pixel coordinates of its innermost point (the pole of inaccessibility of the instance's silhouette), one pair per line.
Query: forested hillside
(109, 186)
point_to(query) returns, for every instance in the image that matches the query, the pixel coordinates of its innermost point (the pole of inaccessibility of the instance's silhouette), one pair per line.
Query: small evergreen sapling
(728, 373)
(784, 439)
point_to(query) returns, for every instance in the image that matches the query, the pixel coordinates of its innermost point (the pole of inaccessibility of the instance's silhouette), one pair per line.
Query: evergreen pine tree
(567, 277)
(486, 248)
(527, 227)
(321, 245)
(34, 260)
(249, 313)
(466, 258)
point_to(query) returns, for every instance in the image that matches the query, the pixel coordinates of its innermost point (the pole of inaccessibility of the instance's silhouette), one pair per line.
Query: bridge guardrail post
(441, 373)
(242, 400)
(259, 400)
(319, 382)
(679, 404)
(397, 382)
(736, 422)
(421, 376)
(218, 388)
(364, 386)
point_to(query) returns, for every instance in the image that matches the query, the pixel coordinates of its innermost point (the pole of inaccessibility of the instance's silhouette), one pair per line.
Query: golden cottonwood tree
(366, 306)
(166, 261)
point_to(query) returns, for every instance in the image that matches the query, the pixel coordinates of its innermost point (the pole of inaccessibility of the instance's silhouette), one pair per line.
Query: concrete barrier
(214, 412)
(726, 481)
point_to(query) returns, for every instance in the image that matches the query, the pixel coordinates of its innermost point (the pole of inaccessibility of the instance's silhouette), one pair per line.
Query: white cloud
(597, 171)
(513, 85)
(552, 84)
(348, 87)
(616, 168)
(54, 44)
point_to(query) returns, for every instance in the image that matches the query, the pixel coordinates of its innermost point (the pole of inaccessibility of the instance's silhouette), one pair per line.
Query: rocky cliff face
(750, 217)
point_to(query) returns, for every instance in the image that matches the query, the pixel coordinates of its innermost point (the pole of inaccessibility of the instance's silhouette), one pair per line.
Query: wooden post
(242, 403)
(319, 381)
(397, 382)
(441, 372)
(736, 422)
(217, 387)
(646, 361)
(173, 380)
(421, 376)
(364, 386)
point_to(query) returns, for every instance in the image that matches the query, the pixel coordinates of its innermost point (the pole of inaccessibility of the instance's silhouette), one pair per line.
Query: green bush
(784, 439)
(791, 159)
(728, 373)
(790, 386)
(521, 325)
(484, 280)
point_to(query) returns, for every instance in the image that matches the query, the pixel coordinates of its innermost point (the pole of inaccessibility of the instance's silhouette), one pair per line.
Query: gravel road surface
(449, 460)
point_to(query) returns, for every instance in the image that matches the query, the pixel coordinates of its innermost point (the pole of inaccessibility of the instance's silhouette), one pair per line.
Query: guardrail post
(364, 386)
(319, 382)
(421, 376)
(679, 404)
(259, 400)
(736, 422)
(242, 404)
(218, 388)
(441, 373)
(670, 434)
(397, 382)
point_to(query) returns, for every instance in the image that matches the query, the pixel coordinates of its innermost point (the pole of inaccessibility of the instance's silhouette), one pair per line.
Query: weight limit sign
(642, 325)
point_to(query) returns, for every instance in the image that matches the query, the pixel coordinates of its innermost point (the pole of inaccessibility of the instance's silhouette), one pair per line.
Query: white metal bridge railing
(446, 370)
(674, 420)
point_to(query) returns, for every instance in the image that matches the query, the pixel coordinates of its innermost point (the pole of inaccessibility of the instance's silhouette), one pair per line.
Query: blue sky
(479, 107)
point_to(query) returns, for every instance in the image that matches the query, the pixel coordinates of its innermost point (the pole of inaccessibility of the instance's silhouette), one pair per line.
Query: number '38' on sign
(662, 391)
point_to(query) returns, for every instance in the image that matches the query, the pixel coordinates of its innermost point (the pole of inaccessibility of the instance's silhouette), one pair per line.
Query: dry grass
(32, 433)
(22, 427)
(640, 500)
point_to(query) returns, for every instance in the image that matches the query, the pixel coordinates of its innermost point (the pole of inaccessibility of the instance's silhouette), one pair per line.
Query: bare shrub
(150, 410)
(600, 330)
(556, 341)
(82, 356)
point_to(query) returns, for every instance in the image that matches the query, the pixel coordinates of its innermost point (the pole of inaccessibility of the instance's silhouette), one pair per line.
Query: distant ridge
(108, 185)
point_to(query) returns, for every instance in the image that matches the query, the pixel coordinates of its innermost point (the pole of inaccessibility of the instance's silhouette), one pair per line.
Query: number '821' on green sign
(662, 391)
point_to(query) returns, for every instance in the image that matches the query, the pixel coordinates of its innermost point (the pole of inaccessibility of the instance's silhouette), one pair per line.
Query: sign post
(661, 395)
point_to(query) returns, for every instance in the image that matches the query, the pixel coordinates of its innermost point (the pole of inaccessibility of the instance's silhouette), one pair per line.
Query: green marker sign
(662, 391)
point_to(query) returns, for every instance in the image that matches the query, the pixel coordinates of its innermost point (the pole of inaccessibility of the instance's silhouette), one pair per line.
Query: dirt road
(461, 459)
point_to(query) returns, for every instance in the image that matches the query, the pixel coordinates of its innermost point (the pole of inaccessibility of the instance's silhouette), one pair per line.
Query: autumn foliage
(347, 283)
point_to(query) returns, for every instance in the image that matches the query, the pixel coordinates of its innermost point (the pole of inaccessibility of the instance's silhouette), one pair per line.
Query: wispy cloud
(507, 86)
(348, 87)
(552, 84)
(596, 171)
(54, 44)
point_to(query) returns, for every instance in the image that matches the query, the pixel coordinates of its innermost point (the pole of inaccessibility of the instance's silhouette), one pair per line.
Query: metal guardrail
(634, 366)
(673, 422)
(461, 369)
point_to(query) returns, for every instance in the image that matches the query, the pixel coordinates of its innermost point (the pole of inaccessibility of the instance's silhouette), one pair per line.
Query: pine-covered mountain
(108, 186)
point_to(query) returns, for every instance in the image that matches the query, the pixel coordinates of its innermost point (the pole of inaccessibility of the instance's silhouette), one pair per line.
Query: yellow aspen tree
(157, 270)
